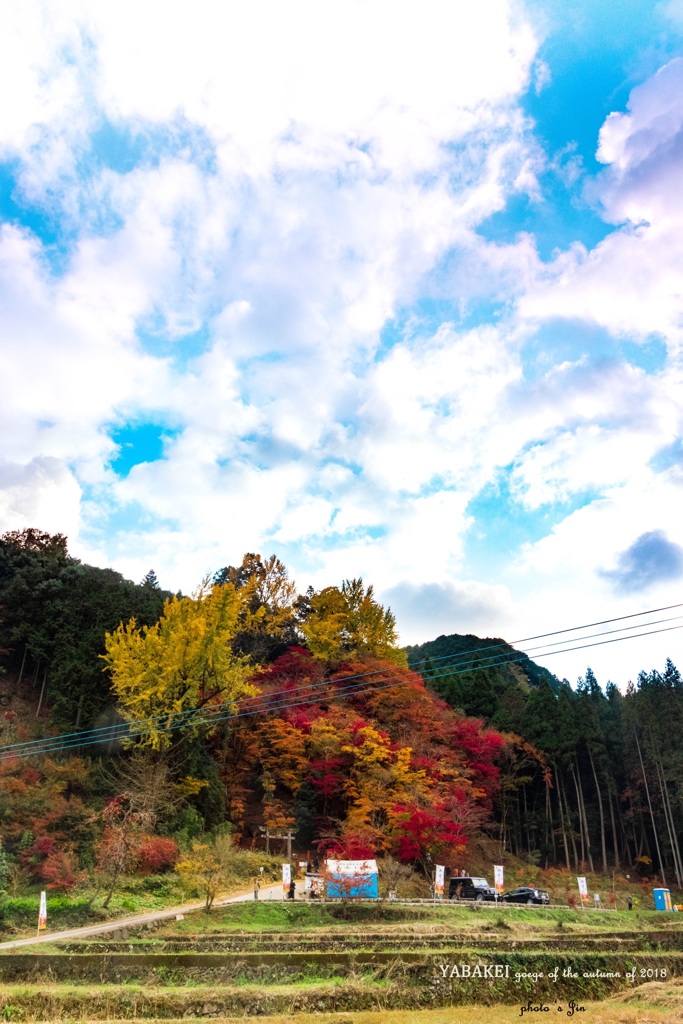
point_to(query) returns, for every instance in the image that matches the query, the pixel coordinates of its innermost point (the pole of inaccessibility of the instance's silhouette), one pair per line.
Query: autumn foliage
(254, 707)
(378, 762)
(157, 853)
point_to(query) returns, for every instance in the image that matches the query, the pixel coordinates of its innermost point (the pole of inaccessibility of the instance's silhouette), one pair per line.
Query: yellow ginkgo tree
(348, 622)
(183, 665)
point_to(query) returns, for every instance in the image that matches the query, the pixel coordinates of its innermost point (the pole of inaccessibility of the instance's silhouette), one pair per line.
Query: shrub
(58, 872)
(187, 825)
(157, 853)
(207, 866)
(399, 877)
(159, 885)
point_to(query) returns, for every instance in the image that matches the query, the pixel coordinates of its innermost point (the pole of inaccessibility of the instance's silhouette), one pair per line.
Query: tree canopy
(183, 662)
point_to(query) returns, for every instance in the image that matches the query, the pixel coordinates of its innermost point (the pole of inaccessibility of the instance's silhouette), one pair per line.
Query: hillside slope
(479, 675)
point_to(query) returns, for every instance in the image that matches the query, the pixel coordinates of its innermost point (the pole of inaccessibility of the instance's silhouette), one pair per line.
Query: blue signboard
(352, 879)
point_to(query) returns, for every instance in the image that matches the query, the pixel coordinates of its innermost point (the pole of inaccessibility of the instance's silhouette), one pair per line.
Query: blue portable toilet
(662, 899)
(352, 879)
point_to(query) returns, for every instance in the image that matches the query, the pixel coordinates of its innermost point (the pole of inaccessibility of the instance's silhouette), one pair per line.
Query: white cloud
(630, 282)
(567, 577)
(43, 493)
(38, 71)
(588, 459)
(429, 406)
(305, 518)
(305, 174)
(251, 74)
(430, 609)
(69, 369)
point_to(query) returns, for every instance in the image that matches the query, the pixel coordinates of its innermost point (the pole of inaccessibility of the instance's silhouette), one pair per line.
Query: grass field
(276, 915)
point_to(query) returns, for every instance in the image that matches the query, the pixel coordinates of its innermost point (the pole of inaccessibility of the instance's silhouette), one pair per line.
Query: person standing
(257, 886)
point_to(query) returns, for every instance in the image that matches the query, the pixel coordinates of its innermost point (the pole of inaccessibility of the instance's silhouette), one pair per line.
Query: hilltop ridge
(475, 673)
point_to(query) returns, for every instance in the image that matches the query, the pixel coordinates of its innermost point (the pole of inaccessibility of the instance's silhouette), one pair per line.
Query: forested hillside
(603, 783)
(247, 707)
(54, 613)
(477, 674)
(244, 706)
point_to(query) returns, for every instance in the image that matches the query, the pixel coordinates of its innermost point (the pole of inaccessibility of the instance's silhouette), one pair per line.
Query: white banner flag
(286, 878)
(498, 877)
(583, 887)
(42, 913)
(439, 875)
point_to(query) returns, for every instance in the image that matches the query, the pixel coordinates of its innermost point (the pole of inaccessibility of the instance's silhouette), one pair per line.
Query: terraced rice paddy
(333, 964)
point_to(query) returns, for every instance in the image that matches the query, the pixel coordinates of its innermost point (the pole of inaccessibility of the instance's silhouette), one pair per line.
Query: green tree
(55, 612)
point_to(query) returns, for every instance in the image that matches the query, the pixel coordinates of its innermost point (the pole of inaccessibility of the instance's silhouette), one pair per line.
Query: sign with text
(286, 878)
(352, 867)
(583, 887)
(498, 877)
(439, 876)
(356, 879)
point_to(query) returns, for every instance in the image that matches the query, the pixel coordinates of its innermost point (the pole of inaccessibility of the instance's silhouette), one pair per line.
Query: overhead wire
(350, 688)
(206, 716)
(454, 660)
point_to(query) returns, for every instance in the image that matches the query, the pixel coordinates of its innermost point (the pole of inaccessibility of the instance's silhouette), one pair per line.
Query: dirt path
(273, 892)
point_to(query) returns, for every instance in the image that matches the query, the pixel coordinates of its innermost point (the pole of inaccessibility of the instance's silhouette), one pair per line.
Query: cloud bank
(284, 237)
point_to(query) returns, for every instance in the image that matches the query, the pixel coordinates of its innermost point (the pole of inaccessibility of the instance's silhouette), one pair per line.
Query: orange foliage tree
(387, 766)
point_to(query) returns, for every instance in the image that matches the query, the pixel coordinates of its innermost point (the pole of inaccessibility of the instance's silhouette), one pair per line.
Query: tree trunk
(503, 821)
(668, 813)
(42, 693)
(80, 710)
(565, 827)
(21, 670)
(652, 815)
(666, 807)
(581, 819)
(602, 815)
(585, 818)
(112, 888)
(550, 823)
(583, 829)
(615, 837)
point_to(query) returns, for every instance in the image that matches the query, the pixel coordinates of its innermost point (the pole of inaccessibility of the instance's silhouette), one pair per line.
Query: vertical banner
(286, 878)
(498, 877)
(42, 913)
(583, 888)
(439, 874)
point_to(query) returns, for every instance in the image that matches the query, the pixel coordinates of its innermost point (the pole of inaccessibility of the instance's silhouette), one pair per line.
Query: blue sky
(387, 294)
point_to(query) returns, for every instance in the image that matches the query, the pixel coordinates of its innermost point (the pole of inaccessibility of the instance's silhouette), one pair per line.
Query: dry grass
(610, 1012)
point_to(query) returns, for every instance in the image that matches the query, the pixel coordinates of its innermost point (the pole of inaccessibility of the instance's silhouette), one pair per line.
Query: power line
(206, 716)
(178, 718)
(604, 622)
(569, 629)
(130, 730)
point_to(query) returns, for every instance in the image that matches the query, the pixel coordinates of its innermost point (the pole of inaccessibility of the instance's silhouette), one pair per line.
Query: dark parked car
(470, 889)
(525, 894)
